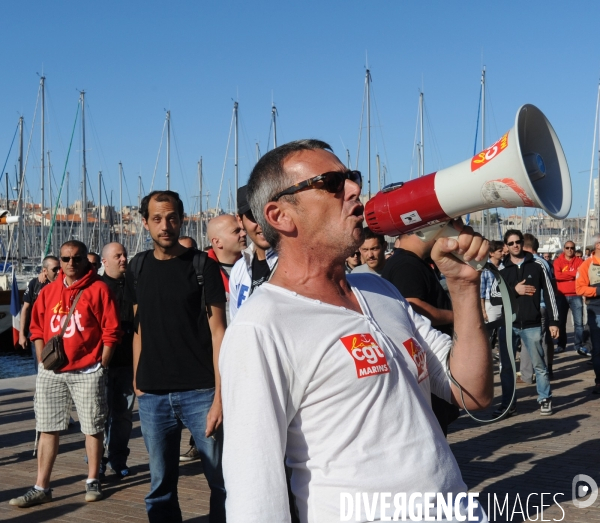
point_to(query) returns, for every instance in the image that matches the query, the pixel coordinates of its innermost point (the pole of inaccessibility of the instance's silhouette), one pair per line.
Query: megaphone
(6, 219)
(525, 168)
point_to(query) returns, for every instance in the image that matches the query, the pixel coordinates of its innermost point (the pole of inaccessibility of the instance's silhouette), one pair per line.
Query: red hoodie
(565, 272)
(94, 323)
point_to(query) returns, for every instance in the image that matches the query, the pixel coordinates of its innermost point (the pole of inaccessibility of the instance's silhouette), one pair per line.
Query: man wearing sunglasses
(565, 272)
(258, 260)
(527, 277)
(89, 340)
(50, 268)
(335, 372)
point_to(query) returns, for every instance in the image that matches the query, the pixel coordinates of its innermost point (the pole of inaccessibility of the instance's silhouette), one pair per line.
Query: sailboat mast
(168, 150)
(20, 199)
(422, 148)
(368, 83)
(274, 115)
(378, 173)
(121, 203)
(42, 172)
(84, 175)
(257, 152)
(99, 211)
(587, 217)
(51, 207)
(235, 113)
(487, 225)
(199, 228)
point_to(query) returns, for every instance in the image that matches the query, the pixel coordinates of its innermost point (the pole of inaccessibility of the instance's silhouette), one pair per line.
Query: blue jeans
(531, 341)
(162, 417)
(120, 397)
(594, 324)
(575, 303)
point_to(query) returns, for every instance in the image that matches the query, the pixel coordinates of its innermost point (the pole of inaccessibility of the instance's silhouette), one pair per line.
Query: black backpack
(199, 261)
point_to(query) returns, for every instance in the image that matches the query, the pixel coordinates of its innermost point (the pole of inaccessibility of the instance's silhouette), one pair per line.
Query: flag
(15, 309)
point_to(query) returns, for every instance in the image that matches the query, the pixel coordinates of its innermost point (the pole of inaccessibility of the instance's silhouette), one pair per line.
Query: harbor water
(16, 364)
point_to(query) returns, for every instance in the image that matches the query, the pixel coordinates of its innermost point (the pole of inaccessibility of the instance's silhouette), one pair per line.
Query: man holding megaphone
(334, 372)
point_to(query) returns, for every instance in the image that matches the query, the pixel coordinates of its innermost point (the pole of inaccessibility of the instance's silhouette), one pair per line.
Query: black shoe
(500, 410)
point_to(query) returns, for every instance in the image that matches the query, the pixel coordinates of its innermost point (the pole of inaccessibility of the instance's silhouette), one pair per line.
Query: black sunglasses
(76, 259)
(516, 242)
(55, 269)
(569, 248)
(332, 182)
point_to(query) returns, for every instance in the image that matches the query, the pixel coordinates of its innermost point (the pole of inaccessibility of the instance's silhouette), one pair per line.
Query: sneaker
(584, 352)
(190, 455)
(32, 497)
(558, 350)
(500, 410)
(93, 491)
(546, 407)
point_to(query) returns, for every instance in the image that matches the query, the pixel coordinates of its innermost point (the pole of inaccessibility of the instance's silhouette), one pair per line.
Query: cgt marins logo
(368, 356)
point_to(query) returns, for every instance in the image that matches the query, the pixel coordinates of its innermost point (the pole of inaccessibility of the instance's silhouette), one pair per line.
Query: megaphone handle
(447, 231)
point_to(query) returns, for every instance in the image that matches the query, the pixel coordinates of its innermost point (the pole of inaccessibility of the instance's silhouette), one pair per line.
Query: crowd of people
(304, 360)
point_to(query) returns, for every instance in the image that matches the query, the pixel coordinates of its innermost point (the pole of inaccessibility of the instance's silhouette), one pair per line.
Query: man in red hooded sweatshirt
(89, 339)
(565, 271)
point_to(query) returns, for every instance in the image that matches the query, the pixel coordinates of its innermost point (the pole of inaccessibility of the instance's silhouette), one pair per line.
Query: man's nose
(351, 189)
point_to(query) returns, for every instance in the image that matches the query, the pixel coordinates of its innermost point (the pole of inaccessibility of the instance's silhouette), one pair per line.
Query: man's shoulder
(362, 269)
(239, 269)
(373, 284)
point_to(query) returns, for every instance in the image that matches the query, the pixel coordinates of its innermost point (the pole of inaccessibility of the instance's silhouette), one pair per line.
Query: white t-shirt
(344, 396)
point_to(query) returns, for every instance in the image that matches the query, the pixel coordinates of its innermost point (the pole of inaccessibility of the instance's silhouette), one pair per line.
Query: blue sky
(136, 59)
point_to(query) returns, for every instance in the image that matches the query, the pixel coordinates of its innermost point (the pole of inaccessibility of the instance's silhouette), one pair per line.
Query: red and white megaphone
(525, 168)
(6, 218)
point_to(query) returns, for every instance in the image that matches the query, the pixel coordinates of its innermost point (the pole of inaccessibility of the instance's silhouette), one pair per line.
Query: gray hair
(268, 178)
(595, 239)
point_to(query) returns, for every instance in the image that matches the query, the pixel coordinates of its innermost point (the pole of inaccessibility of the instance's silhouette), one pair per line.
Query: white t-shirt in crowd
(343, 396)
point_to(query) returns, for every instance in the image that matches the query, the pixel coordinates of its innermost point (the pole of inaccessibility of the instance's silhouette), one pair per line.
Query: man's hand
(470, 245)
(42, 277)
(22, 340)
(525, 290)
(214, 417)
(554, 332)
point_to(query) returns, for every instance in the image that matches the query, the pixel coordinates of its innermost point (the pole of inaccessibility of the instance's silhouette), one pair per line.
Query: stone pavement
(520, 463)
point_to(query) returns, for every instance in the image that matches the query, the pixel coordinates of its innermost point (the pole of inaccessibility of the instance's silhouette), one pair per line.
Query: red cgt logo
(367, 354)
(419, 356)
(489, 154)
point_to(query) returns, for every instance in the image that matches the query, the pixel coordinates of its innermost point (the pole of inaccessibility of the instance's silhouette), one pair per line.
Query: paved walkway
(526, 454)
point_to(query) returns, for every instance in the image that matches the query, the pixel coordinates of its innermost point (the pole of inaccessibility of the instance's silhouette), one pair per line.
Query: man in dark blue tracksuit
(526, 277)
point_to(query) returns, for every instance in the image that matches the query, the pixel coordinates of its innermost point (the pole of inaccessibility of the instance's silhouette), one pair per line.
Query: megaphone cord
(508, 321)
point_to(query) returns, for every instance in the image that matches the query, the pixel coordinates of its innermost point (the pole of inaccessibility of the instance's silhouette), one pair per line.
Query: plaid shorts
(55, 394)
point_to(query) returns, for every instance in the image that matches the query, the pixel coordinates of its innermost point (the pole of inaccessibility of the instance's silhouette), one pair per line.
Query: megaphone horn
(525, 168)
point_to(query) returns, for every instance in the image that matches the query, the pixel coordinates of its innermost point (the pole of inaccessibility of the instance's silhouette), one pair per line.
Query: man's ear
(216, 242)
(279, 217)
(145, 224)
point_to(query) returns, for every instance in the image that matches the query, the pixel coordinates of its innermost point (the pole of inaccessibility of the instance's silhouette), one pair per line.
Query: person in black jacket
(527, 277)
(120, 393)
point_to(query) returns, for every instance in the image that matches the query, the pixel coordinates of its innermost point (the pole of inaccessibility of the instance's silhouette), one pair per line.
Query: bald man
(228, 239)
(120, 393)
